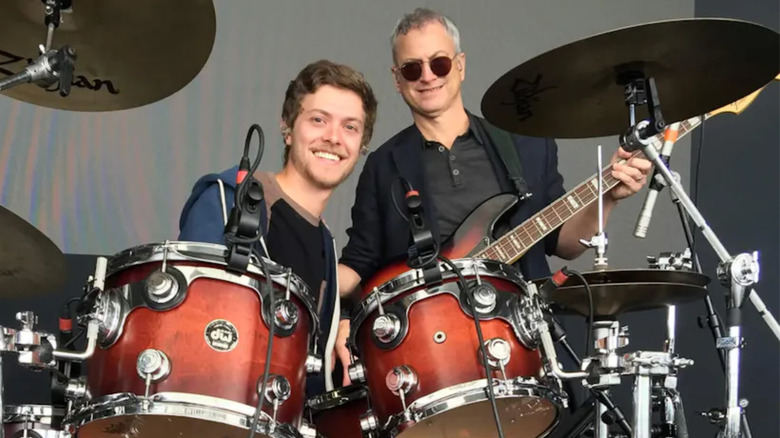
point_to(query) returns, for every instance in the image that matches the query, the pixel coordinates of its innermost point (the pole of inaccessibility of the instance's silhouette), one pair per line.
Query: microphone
(423, 253)
(554, 282)
(244, 227)
(656, 183)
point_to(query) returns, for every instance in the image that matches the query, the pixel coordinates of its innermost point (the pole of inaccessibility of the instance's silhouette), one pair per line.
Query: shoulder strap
(505, 146)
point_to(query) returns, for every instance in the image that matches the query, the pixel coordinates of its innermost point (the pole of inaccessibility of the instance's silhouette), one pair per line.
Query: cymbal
(30, 263)
(129, 53)
(699, 65)
(620, 291)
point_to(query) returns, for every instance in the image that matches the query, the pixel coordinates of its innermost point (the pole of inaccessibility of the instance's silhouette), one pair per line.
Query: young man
(450, 156)
(328, 118)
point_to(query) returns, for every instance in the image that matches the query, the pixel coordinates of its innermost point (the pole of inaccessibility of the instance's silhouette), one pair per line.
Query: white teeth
(328, 156)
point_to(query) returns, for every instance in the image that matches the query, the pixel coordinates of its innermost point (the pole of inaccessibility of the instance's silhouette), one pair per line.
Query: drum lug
(386, 327)
(401, 380)
(498, 352)
(357, 372)
(285, 314)
(277, 391)
(307, 430)
(153, 366)
(485, 298)
(368, 423)
(313, 364)
(161, 287)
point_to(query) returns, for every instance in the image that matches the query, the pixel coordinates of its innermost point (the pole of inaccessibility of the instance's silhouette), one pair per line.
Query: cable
(465, 289)
(589, 333)
(271, 325)
(395, 201)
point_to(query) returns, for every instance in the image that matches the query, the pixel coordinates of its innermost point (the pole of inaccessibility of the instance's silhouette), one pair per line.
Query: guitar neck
(512, 245)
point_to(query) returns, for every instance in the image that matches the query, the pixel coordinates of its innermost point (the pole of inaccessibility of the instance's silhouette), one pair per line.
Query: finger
(622, 153)
(629, 181)
(641, 164)
(632, 172)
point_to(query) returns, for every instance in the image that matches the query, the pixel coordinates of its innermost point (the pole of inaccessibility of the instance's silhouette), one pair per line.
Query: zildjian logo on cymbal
(7, 58)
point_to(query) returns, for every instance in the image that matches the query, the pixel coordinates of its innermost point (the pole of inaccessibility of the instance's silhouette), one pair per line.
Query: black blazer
(379, 234)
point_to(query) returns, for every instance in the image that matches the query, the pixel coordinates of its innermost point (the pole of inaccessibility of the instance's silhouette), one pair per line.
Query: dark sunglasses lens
(411, 71)
(441, 66)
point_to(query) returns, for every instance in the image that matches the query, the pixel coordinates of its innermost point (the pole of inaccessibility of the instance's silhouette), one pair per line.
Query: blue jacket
(202, 220)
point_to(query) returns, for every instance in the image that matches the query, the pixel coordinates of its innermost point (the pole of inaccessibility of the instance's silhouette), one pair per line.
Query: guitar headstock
(742, 104)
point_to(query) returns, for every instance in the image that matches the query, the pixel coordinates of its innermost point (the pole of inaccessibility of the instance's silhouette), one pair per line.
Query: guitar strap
(505, 147)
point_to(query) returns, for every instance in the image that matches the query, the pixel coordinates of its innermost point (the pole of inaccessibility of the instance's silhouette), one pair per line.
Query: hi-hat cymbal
(620, 291)
(698, 65)
(129, 53)
(30, 263)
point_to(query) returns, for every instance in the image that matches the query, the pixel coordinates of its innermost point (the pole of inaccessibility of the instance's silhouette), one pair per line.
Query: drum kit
(178, 343)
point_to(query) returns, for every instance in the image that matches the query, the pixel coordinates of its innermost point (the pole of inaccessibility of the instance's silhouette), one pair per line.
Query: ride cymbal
(698, 65)
(30, 263)
(128, 53)
(620, 291)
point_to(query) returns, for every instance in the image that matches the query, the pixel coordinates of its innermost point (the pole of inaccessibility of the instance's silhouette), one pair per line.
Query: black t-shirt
(294, 237)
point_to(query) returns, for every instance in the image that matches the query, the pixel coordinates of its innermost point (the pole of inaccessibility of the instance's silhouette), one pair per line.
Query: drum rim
(414, 278)
(431, 405)
(185, 405)
(13, 411)
(337, 397)
(211, 253)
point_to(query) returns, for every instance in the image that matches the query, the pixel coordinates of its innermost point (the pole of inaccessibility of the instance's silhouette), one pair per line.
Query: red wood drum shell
(197, 368)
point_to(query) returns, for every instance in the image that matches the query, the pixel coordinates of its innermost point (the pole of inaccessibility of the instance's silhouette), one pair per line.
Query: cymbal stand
(712, 319)
(52, 67)
(673, 422)
(605, 367)
(739, 273)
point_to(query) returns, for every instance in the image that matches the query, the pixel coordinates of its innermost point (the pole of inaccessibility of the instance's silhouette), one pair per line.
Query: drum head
(522, 417)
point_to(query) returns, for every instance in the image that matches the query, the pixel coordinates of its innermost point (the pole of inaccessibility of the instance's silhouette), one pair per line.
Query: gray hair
(419, 18)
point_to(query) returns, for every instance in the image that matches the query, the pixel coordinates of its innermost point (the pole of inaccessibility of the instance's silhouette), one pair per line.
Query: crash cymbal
(30, 263)
(129, 53)
(698, 65)
(620, 291)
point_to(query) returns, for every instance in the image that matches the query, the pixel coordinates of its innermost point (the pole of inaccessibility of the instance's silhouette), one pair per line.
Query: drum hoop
(176, 404)
(19, 412)
(467, 393)
(211, 253)
(337, 397)
(414, 278)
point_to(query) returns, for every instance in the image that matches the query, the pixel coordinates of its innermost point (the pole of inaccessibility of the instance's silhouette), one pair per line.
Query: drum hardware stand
(715, 416)
(53, 67)
(673, 415)
(739, 272)
(599, 409)
(37, 350)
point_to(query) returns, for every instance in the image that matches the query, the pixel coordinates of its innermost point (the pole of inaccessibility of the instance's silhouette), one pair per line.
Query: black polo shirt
(459, 178)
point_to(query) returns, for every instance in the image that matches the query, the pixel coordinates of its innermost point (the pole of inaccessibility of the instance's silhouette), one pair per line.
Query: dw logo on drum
(221, 335)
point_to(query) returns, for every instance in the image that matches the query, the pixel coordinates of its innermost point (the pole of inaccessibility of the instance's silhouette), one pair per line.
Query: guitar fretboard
(512, 245)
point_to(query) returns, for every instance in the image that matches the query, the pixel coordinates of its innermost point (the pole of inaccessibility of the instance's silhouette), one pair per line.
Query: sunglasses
(412, 70)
